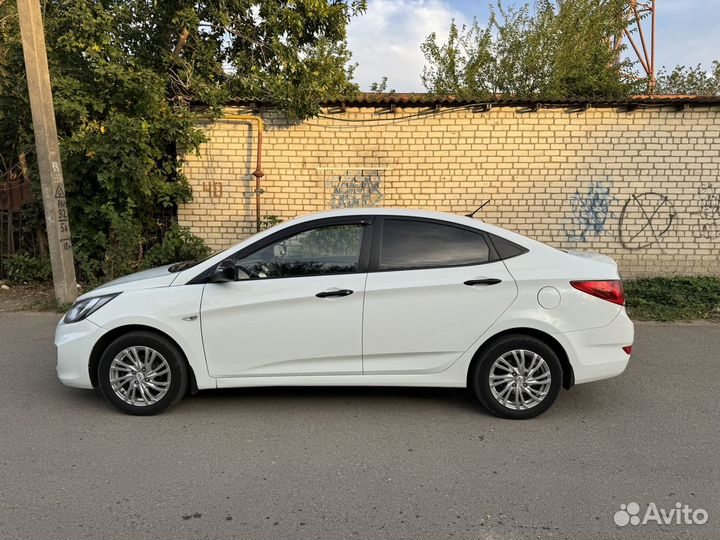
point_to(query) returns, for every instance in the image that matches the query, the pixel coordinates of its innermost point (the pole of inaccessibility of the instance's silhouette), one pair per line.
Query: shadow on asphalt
(582, 401)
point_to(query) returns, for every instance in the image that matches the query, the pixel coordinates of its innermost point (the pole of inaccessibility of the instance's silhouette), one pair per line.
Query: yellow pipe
(258, 173)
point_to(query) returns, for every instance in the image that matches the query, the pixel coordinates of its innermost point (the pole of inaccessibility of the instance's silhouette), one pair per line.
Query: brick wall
(641, 186)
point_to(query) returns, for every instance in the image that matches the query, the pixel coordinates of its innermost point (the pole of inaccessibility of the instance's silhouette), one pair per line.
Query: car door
(433, 289)
(298, 308)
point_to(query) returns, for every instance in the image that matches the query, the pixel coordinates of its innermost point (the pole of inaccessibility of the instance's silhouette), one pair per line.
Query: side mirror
(224, 272)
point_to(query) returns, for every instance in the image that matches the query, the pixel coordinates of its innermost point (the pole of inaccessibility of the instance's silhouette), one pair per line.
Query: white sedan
(363, 297)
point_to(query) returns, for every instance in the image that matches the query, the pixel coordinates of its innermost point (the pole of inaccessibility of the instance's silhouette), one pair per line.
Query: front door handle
(483, 281)
(341, 292)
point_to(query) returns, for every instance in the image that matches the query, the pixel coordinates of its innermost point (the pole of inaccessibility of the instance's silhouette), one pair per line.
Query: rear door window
(414, 244)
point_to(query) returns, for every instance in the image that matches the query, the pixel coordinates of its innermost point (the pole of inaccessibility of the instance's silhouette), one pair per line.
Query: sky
(385, 41)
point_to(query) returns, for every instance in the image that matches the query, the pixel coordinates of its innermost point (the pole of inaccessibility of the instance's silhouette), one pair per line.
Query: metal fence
(14, 239)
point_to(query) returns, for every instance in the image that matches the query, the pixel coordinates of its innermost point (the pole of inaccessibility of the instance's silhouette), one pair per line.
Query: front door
(300, 311)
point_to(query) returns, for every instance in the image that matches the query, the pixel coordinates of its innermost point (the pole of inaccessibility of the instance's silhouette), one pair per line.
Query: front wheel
(142, 373)
(518, 377)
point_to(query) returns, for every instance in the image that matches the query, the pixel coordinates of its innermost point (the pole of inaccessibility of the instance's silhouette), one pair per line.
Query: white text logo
(680, 514)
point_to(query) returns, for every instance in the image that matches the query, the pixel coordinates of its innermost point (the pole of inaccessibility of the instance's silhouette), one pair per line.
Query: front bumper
(597, 353)
(74, 344)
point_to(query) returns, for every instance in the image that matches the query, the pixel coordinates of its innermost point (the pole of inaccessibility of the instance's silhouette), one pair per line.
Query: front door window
(326, 250)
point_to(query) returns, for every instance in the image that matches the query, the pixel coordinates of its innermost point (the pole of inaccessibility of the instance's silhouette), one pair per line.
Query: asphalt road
(360, 463)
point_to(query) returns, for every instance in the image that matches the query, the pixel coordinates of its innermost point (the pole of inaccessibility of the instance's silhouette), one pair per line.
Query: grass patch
(672, 299)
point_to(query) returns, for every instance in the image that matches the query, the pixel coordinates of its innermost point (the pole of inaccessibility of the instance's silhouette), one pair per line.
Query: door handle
(483, 281)
(341, 292)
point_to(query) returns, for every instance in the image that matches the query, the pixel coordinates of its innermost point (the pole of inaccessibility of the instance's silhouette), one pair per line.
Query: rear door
(434, 288)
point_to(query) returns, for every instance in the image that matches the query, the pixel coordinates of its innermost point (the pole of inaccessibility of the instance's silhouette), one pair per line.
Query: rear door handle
(341, 292)
(483, 281)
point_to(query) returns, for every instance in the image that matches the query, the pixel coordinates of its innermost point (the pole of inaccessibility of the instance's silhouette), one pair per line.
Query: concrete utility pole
(48, 151)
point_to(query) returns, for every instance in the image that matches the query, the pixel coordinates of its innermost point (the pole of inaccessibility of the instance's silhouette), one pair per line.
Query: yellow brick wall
(641, 186)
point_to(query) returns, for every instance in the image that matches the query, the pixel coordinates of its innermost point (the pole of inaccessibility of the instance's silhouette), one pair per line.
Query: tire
(149, 372)
(536, 389)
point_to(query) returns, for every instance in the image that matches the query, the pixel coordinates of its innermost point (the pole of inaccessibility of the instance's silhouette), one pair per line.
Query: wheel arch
(550, 341)
(105, 341)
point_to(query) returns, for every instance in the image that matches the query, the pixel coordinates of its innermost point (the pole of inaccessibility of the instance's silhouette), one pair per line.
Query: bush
(178, 244)
(270, 221)
(28, 269)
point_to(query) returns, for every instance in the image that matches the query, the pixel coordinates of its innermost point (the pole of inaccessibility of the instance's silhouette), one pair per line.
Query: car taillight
(610, 290)
(628, 349)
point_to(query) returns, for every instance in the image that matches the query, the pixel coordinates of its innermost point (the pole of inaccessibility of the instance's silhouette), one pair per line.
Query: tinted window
(505, 248)
(417, 244)
(326, 250)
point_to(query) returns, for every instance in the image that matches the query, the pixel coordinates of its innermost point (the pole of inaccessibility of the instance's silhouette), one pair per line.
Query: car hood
(147, 279)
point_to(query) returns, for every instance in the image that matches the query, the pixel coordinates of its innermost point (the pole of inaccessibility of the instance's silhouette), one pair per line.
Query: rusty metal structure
(14, 192)
(640, 16)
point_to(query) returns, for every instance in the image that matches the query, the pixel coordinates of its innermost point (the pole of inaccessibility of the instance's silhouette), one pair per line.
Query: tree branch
(181, 41)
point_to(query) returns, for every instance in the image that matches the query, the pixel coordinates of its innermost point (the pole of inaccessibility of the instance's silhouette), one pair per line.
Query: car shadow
(581, 402)
(314, 397)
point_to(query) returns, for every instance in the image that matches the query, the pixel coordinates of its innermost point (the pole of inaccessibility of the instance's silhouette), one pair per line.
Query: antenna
(472, 214)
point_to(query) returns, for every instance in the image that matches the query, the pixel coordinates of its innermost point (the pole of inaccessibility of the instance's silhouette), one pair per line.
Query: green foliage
(669, 299)
(381, 87)
(25, 268)
(689, 81)
(178, 244)
(292, 54)
(269, 221)
(125, 75)
(556, 50)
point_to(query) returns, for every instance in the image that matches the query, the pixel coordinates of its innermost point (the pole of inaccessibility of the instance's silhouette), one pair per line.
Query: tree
(556, 50)
(381, 87)
(126, 75)
(689, 81)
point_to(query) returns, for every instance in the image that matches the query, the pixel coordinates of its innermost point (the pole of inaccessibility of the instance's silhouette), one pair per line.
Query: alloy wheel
(140, 376)
(520, 379)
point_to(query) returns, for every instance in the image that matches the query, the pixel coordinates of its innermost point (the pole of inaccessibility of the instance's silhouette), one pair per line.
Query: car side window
(325, 250)
(505, 248)
(412, 244)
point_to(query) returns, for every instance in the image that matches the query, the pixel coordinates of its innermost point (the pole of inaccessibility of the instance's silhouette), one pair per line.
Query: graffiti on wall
(590, 212)
(645, 220)
(707, 226)
(354, 189)
(214, 189)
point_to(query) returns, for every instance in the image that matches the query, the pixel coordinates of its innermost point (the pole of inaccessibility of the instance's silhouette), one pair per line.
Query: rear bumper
(598, 353)
(74, 344)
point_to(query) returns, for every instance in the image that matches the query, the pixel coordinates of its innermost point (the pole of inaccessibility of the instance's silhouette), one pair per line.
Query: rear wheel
(517, 377)
(142, 373)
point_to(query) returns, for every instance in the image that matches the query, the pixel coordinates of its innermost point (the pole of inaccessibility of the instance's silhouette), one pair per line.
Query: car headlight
(81, 309)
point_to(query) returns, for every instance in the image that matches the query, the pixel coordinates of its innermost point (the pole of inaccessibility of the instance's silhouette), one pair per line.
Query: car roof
(404, 212)
(426, 214)
(383, 211)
